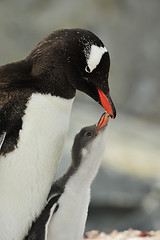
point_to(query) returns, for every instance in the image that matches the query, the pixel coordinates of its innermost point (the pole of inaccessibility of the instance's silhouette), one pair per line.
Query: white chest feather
(27, 173)
(68, 223)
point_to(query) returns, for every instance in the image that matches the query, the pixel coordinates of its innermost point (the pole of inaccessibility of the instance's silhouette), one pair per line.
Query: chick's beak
(107, 103)
(102, 122)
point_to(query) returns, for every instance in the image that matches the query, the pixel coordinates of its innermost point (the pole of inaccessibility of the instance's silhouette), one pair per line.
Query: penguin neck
(80, 178)
(32, 165)
(86, 172)
(88, 163)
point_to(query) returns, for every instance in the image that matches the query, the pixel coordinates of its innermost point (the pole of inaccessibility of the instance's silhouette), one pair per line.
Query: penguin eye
(87, 69)
(88, 134)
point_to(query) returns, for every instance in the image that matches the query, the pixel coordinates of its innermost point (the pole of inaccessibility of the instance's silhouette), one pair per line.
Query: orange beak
(102, 122)
(107, 103)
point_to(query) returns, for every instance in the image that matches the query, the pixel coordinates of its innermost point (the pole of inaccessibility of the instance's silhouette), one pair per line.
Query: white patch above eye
(94, 58)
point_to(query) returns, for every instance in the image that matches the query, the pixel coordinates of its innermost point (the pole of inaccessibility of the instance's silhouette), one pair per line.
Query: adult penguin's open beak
(107, 103)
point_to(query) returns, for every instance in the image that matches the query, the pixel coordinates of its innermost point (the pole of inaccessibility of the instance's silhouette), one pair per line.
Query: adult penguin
(36, 97)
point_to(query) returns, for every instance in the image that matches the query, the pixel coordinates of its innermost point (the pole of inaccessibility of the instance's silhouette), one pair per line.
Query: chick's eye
(87, 69)
(88, 134)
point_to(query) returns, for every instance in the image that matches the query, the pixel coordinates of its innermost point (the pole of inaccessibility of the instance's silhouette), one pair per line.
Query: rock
(130, 234)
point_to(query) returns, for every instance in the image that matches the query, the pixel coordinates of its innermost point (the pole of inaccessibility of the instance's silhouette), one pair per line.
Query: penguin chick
(65, 213)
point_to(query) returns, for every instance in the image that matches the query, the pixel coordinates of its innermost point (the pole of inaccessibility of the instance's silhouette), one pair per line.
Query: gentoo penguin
(65, 213)
(36, 97)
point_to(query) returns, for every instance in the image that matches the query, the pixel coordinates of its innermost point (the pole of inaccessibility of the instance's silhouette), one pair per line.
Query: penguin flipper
(39, 228)
(2, 138)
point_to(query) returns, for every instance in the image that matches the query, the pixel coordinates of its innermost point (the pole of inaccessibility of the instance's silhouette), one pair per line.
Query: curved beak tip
(113, 116)
(102, 122)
